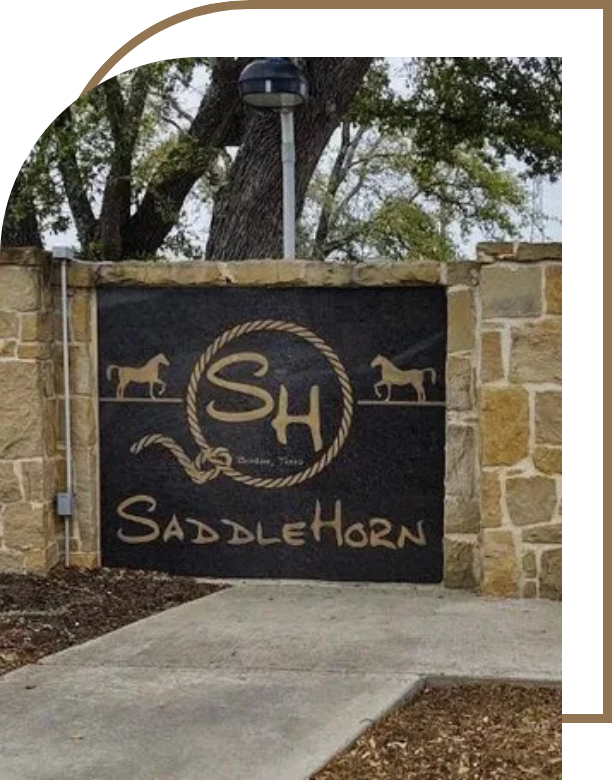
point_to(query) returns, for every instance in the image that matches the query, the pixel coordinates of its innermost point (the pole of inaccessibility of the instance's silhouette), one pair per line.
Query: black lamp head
(274, 82)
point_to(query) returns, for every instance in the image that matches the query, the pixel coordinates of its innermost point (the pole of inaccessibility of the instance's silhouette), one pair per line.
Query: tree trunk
(247, 215)
(214, 122)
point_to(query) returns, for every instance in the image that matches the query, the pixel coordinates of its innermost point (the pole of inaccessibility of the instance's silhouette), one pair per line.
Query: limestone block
(461, 320)
(500, 575)
(553, 289)
(458, 383)
(530, 590)
(490, 499)
(19, 288)
(529, 564)
(459, 563)
(548, 459)
(491, 362)
(462, 273)
(8, 348)
(36, 350)
(461, 515)
(22, 425)
(460, 460)
(543, 534)
(9, 483)
(504, 425)
(536, 352)
(11, 562)
(548, 417)
(511, 291)
(531, 500)
(551, 583)
(9, 325)
(80, 316)
(24, 526)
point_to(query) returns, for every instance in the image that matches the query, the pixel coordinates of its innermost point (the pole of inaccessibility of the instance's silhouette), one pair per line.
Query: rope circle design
(213, 461)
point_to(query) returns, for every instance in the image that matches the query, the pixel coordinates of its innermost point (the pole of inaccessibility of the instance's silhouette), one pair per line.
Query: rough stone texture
(462, 273)
(551, 584)
(18, 288)
(491, 362)
(504, 425)
(426, 271)
(296, 273)
(459, 563)
(33, 351)
(459, 383)
(85, 560)
(9, 324)
(86, 528)
(84, 417)
(530, 568)
(22, 424)
(548, 417)
(511, 291)
(11, 561)
(531, 500)
(27, 444)
(461, 320)
(9, 483)
(35, 327)
(461, 460)
(543, 534)
(500, 571)
(8, 348)
(553, 289)
(39, 478)
(530, 590)
(490, 499)
(22, 256)
(538, 252)
(24, 526)
(548, 460)
(38, 561)
(492, 251)
(461, 515)
(80, 319)
(536, 352)
(81, 370)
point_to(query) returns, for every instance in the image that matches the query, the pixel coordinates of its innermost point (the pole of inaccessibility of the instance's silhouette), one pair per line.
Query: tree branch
(358, 186)
(193, 154)
(74, 186)
(20, 226)
(338, 175)
(139, 92)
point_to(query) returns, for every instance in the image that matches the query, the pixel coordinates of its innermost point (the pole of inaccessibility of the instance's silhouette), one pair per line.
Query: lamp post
(276, 83)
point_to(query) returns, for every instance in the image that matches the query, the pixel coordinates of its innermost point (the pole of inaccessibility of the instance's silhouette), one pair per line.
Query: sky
(547, 195)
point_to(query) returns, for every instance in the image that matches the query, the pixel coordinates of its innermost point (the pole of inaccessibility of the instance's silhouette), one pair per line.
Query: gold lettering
(262, 540)
(293, 534)
(206, 534)
(361, 541)
(174, 530)
(377, 538)
(147, 522)
(407, 534)
(312, 419)
(336, 524)
(240, 387)
(241, 535)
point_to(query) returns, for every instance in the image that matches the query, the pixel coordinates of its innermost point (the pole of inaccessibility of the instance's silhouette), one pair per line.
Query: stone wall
(30, 534)
(503, 464)
(519, 411)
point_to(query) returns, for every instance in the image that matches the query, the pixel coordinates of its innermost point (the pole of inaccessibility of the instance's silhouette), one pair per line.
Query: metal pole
(67, 419)
(288, 158)
(65, 499)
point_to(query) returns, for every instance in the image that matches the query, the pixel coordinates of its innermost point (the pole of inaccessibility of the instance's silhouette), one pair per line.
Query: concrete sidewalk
(263, 681)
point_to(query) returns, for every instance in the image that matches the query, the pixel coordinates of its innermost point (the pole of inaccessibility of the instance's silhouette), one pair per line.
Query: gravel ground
(476, 732)
(42, 615)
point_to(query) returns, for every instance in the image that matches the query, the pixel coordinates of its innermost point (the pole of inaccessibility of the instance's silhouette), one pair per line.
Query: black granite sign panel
(287, 433)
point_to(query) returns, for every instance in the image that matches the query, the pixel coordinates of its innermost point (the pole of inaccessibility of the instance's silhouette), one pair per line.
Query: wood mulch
(476, 732)
(42, 615)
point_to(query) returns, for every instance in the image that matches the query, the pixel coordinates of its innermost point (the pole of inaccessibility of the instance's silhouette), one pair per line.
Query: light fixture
(273, 83)
(276, 83)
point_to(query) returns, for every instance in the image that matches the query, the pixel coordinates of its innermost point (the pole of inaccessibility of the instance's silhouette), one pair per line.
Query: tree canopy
(386, 166)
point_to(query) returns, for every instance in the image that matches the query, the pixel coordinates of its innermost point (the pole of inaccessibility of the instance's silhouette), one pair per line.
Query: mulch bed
(42, 615)
(476, 732)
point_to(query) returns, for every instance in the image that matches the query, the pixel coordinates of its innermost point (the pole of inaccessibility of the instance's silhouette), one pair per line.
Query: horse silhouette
(142, 375)
(392, 376)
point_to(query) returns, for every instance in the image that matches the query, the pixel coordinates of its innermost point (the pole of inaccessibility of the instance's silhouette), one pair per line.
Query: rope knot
(217, 457)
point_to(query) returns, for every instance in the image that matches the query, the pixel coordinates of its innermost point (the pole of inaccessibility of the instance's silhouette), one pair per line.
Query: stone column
(461, 501)
(85, 525)
(28, 414)
(520, 419)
